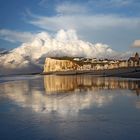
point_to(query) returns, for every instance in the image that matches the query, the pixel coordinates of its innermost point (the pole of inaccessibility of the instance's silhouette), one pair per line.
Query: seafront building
(134, 61)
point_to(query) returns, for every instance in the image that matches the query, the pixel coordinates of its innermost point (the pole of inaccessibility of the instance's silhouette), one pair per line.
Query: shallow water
(69, 107)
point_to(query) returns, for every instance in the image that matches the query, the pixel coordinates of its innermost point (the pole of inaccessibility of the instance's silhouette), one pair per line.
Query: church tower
(137, 56)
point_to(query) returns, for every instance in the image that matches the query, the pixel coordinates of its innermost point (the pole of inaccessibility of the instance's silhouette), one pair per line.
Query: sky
(113, 22)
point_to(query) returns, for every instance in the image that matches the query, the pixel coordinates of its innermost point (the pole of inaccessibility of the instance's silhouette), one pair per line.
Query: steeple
(137, 56)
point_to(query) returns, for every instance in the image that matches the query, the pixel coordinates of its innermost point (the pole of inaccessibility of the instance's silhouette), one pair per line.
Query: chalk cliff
(52, 65)
(84, 64)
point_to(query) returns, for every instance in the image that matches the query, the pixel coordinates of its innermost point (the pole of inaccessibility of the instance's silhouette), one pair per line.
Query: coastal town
(81, 64)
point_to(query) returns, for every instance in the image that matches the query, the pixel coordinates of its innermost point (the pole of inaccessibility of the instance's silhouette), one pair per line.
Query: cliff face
(59, 84)
(67, 64)
(52, 65)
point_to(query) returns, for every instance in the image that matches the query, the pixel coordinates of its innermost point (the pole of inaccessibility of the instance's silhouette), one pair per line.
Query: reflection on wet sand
(79, 92)
(55, 84)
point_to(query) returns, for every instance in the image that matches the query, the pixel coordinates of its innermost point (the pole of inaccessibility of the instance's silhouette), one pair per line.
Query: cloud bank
(30, 56)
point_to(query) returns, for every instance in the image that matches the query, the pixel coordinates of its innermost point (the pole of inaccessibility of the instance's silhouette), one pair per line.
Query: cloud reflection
(67, 94)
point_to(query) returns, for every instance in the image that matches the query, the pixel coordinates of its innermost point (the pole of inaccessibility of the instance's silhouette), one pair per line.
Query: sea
(69, 107)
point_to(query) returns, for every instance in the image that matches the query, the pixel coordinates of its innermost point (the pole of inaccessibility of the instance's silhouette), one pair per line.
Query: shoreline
(131, 72)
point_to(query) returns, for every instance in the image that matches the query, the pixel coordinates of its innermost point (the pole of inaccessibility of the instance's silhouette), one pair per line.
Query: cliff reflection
(54, 84)
(78, 92)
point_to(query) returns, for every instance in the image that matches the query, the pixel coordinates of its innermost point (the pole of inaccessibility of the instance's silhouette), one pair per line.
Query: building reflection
(68, 94)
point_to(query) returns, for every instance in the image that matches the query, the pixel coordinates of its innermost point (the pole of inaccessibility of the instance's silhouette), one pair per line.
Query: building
(123, 63)
(134, 61)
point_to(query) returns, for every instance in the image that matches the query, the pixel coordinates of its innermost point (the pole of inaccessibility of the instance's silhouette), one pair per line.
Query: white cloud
(79, 22)
(118, 31)
(14, 36)
(65, 36)
(113, 3)
(136, 43)
(68, 8)
(121, 2)
(79, 16)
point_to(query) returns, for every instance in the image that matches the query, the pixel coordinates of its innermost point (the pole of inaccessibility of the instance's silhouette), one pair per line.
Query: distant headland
(104, 67)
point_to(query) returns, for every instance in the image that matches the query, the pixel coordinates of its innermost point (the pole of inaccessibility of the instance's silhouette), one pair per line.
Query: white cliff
(52, 65)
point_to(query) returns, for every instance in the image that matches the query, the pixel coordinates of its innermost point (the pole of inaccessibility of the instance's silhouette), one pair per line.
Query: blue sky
(113, 22)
